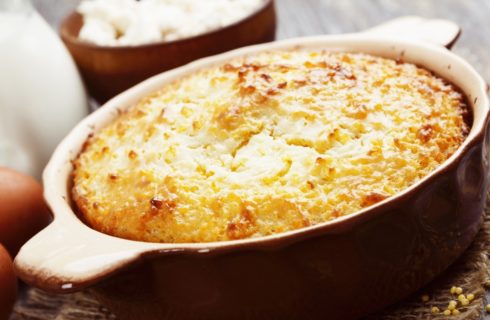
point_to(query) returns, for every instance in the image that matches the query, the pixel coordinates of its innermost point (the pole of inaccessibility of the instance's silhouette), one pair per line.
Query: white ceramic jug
(41, 93)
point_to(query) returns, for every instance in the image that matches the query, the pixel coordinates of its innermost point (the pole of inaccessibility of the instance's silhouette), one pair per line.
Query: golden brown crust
(266, 144)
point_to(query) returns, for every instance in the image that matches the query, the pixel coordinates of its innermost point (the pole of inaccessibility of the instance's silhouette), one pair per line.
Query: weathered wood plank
(300, 18)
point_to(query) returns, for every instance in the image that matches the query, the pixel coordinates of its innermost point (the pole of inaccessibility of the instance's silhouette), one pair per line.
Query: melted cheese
(266, 144)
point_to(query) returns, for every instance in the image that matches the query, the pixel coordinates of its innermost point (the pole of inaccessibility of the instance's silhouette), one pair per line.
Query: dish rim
(137, 250)
(447, 164)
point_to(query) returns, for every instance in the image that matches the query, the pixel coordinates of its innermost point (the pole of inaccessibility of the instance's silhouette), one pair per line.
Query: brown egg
(8, 284)
(23, 211)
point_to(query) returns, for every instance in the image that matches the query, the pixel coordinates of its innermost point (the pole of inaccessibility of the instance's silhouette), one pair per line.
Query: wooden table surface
(312, 17)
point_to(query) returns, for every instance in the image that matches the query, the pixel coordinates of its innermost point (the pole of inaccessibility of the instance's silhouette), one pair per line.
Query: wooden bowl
(109, 70)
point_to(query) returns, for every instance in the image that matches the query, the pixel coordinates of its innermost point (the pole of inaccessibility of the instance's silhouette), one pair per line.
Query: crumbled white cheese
(131, 22)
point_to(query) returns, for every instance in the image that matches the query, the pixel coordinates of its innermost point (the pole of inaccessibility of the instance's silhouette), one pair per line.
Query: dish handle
(68, 256)
(436, 31)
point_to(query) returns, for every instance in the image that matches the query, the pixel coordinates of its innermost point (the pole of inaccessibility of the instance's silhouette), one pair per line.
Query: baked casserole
(265, 144)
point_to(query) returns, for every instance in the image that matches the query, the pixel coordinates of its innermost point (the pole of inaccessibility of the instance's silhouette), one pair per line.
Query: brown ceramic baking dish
(108, 70)
(340, 269)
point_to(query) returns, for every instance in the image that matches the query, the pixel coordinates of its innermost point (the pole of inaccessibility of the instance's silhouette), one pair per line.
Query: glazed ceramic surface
(339, 269)
(109, 70)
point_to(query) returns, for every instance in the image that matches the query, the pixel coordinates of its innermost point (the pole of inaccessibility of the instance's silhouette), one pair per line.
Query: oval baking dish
(391, 249)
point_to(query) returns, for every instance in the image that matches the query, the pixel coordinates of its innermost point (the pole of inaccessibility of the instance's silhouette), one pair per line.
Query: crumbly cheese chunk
(266, 144)
(132, 22)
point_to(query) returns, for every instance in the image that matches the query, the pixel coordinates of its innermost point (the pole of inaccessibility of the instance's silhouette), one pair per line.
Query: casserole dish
(391, 249)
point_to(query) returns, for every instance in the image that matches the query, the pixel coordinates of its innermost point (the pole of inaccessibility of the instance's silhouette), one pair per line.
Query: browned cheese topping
(266, 144)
